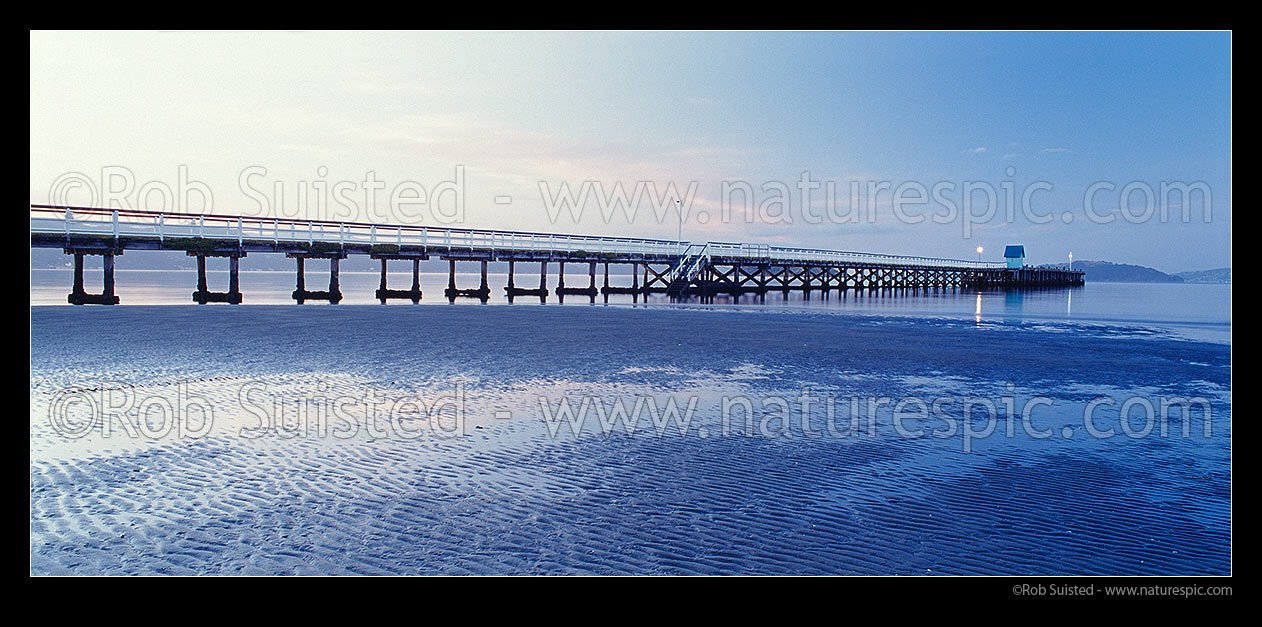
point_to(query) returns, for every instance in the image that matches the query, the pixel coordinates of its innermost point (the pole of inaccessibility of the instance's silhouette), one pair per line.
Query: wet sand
(490, 489)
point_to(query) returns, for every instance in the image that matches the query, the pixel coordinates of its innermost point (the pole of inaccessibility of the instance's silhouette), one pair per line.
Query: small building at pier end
(1015, 255)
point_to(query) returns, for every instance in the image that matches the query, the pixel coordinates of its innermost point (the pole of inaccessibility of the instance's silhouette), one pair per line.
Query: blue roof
(1012, 252)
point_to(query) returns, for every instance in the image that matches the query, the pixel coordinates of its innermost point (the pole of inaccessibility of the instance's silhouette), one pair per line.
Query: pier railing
(90, 221)
(158, 225)
(780, 254)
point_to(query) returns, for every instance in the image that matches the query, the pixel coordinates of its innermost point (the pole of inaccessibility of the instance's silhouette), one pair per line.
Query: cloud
(1055, 150)
(979, 149)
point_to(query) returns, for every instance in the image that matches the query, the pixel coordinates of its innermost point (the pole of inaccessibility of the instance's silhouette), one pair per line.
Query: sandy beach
(435, 440)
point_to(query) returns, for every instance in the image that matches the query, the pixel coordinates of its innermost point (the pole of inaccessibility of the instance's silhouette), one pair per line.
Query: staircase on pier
(686, 270)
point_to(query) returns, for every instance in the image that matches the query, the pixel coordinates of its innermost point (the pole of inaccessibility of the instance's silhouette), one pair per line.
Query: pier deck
(657, 266)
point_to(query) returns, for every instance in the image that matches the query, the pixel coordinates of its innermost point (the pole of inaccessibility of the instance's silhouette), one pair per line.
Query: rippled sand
(500, 494)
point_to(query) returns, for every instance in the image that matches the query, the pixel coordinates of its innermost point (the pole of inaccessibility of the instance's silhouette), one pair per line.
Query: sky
(1108, 145)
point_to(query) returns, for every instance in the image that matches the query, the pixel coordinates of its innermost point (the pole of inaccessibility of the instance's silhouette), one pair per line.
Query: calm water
(1196, 311)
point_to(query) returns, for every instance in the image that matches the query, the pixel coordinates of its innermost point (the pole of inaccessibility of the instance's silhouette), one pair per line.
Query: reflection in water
(1021, 304)
(1207, 307)
(1013, 300)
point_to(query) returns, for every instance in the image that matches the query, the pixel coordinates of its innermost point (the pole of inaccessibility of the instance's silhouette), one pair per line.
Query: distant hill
(1217, 275)
(1106, 272)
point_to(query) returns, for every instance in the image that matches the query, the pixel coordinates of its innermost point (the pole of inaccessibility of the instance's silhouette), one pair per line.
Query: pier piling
(384, 293)
(334, 293)
(590, 291)
(78, 295)
(483, 292)
(203, 294)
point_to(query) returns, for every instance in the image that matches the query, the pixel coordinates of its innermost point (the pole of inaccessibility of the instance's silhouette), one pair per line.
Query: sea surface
(1202, 311)
(1057, 432)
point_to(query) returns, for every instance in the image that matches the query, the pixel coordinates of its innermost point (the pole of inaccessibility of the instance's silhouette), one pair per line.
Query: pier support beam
(510, 288)
(542, 291)
(483, 292)
(334, 288)
(590, 291)
(384, 292)
(634, 290)
(203, 294)
(658, 281)
(79, 296)
(76, 289)
(334, 293)
(107, 280)
(591, 283)
(561, 282)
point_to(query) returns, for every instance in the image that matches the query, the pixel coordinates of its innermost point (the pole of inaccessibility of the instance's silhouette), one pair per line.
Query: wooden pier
(677, 269)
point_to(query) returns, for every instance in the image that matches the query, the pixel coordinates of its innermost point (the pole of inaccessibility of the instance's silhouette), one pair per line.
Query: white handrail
(161, 226)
